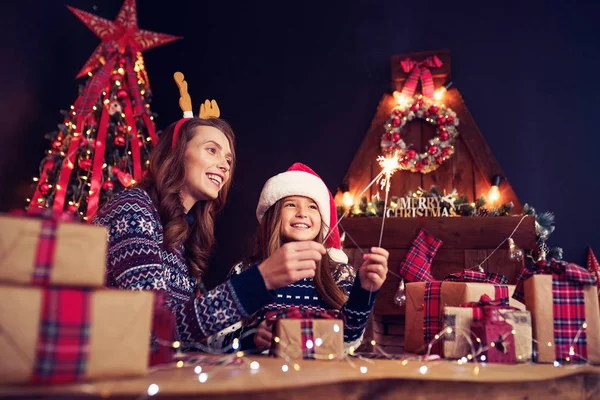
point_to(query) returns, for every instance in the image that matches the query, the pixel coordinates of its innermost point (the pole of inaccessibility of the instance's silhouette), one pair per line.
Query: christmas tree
(104, 141)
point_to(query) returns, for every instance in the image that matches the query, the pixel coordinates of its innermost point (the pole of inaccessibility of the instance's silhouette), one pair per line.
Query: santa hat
(300, 180)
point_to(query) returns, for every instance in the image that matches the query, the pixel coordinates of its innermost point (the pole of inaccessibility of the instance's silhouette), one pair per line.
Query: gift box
(50, 250)
(457, 343)
(562, 299)
(307, 334)
(424, 319)
(61, 334)
(495, 337)
(321, 339)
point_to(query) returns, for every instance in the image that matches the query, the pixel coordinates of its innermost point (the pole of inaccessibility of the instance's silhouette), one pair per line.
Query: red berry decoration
(72, 208)
(108, 185)
(427, 114)
(397, 111)
(433, 149)
(439, 160)
(450, 119)
(419, 166)
(425, 161)
(396, 122)
(56, 144)
(45, 188)
(396, 137)
(414, 107)
(440, 120)
(445, 151)
(444, 135)
(120, 140)
(411, 154)
(433, 109)
(85, 164)
(122, 93)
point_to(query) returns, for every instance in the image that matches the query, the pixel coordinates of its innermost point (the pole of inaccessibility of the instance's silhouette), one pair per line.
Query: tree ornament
(116, 77)
(114, 107)
(122, 94)
(120, 140)
(108, 185)
(72, 208)
(56, 144)
(85, 163)
(45, 188)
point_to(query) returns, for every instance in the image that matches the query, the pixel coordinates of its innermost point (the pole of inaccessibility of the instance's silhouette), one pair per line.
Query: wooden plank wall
(469, 170)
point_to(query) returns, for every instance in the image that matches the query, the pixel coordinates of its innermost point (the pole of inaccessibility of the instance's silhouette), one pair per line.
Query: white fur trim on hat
(294, 183)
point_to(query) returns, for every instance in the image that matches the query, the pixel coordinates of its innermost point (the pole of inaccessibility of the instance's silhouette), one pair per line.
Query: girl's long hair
(268, 240)
(164, 180)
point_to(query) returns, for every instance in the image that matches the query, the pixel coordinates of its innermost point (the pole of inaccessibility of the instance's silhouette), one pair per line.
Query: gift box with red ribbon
(562, 299)
(425, 302)
(460, 341)
(60, 334)
(50, 249)
(307, 334)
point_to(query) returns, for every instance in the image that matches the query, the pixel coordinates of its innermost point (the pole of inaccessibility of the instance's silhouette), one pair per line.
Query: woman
(162, 231)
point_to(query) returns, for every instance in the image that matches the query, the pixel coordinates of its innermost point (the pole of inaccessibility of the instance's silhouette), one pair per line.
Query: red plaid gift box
(307, 334)
(496, 338)
(569, 331)
(425, 302)
(50, 249)
(59, 334)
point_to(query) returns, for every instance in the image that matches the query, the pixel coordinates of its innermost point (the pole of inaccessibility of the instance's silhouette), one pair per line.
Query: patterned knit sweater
(137, 261)
(303, 294)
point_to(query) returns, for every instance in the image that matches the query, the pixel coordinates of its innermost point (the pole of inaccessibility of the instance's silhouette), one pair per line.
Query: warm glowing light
(176, 344)
(347, 200)
(198, 369)
(179, 364)
(153, 389)
(439, 94)
(363, 369)
(494, 194)
(401, 99)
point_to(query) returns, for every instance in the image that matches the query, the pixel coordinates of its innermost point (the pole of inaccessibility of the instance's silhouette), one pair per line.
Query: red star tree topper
(104, 142)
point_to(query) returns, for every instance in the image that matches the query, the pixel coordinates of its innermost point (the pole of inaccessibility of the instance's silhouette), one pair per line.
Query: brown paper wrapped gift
(452, 294)
(57, 335)
(459, 319)
(321, 339)
(79, 252)
(538, 299)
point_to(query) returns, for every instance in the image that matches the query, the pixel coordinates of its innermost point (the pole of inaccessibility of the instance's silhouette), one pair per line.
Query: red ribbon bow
(419, 70)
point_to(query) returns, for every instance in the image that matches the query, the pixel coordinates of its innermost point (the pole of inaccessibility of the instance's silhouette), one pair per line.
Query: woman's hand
(373, 271)
(263, 335)
(290, 263)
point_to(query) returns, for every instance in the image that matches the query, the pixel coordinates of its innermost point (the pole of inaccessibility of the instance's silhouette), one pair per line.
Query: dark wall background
(300, 81)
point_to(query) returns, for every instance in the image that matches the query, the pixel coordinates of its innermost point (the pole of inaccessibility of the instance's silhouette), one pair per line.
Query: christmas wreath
(439, 149)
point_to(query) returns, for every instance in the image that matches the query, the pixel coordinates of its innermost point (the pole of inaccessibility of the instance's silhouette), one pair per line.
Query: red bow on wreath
(419, 70)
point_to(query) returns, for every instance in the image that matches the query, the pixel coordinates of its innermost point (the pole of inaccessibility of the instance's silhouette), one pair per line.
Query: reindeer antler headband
(208, 110)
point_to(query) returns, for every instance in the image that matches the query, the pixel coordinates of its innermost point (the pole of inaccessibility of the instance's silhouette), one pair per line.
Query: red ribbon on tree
(99, 149)
(419, 70)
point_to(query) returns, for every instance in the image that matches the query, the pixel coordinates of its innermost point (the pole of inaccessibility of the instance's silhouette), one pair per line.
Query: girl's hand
(263, 335)
(290, 263)
(373, 271)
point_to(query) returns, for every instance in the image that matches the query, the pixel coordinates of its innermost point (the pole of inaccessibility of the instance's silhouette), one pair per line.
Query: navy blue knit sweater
(137, 261)
(303, 294)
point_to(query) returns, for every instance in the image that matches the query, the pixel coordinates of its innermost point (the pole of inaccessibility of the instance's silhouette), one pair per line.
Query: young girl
(162, 231)
(297, 206)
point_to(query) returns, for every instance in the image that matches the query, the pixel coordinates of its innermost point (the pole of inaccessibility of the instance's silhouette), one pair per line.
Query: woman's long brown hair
(268, 240)
(164, 180)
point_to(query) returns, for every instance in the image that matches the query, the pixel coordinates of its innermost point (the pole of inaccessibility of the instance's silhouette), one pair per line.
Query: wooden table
(382, 379)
